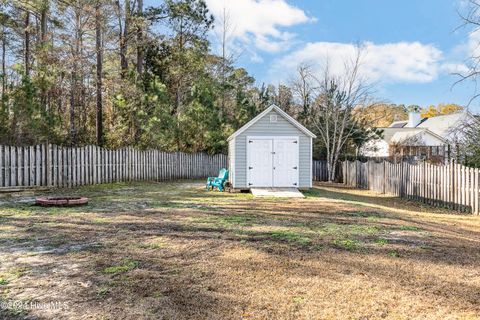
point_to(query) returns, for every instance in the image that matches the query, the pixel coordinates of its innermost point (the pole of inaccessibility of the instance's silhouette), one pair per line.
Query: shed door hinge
(295, 184)
(295, 168)
(250, 168)
(295, 141)
(250, 141)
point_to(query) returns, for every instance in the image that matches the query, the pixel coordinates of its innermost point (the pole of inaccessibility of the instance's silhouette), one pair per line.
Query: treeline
(116, 73)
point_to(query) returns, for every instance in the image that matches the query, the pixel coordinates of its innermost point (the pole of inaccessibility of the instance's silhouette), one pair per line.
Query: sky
(410, 47)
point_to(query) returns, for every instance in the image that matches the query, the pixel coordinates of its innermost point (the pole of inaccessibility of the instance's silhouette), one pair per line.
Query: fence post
(48, 165)
(402, 164)
(475, 211)
(357, 176)
(384, 180)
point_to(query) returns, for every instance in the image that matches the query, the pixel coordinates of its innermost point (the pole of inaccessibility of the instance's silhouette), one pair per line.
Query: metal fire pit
(61, 201)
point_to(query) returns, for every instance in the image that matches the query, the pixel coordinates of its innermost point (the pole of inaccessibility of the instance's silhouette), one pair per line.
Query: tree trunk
(43, 22)
(43, 41)
(99, 51)
(73, 87)
(4, 49)
(224, 58)
(140, 40)
(27, 44)
(74, 78)
(124, 41)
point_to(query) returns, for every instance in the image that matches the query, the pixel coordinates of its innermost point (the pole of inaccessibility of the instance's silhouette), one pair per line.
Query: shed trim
(265, 112)
(311, 162)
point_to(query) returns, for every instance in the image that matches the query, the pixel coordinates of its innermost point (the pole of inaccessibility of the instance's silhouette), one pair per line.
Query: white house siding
(375, 148)
(429, 140)
(380, 148)
(263, 127)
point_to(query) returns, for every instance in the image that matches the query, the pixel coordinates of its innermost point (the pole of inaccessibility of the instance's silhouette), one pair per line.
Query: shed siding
(231, 161)
(263, 127)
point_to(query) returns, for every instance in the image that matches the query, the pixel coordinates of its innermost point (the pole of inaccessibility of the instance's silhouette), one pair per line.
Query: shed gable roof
(264, 113)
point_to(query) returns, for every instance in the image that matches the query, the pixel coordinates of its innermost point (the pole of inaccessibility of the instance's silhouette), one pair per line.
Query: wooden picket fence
(319, 170)
(453, 186)
(54, 166)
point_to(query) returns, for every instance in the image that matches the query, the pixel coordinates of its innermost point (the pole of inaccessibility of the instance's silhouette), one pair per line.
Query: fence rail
(54, 166)
(453, 186)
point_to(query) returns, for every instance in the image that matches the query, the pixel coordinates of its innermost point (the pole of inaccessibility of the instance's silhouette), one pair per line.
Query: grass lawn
(175, 251)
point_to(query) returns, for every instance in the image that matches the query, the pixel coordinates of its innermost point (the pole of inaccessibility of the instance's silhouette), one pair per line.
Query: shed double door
(272, 162)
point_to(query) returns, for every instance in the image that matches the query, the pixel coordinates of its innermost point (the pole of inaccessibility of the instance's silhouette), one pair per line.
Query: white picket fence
(453, 186)
(54, 166)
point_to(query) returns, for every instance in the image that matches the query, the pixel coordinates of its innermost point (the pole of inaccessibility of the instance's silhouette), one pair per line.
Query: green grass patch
(225, 220)
(299, 299)
(290, 236)
(347, 230)
(103, 292)
(236, 220)
(182, 205)
(158, 295)
(410, 228)
(381, 241)
(312, 193)
(347, 244)
(11, 274)
(393, 254)
(361, 214)
(127, 265)
(155, 243)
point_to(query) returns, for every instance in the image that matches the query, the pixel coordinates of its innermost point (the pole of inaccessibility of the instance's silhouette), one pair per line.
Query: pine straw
(173, 251)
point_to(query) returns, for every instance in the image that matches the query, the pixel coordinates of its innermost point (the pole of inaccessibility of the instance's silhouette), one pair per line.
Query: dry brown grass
(174, 251)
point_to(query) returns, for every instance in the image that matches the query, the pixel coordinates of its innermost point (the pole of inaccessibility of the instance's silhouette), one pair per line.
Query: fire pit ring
(61, 201)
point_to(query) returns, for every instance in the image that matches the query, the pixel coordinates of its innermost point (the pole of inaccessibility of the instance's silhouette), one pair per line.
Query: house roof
(439, 127)
(396, 135)
(265, 112)
(398, 124)
(442, 124)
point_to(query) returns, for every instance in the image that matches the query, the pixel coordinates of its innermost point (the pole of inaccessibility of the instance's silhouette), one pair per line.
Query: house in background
(422, 138)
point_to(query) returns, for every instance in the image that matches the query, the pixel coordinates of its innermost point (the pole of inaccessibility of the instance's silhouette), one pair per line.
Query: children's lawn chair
(218, 182)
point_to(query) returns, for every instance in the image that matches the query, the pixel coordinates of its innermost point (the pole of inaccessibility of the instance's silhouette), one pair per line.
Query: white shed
(271, 150)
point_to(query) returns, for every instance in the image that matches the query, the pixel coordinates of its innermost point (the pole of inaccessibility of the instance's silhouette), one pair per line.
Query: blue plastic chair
(218, 182)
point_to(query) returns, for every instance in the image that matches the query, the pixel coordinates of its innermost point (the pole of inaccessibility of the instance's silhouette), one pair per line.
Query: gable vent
(273, 118)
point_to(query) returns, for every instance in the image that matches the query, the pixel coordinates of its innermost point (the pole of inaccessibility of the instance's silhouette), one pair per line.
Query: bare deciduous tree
(332, 114)
(303, 89)
(471, 21)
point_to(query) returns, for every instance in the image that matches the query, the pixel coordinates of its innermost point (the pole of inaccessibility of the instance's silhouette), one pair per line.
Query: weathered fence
(319, 170)
(54, 166)
(452, 186)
